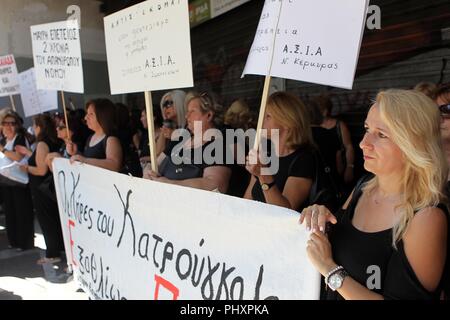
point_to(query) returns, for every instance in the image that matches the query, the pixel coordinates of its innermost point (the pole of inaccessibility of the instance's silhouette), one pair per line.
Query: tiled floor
(21, 278)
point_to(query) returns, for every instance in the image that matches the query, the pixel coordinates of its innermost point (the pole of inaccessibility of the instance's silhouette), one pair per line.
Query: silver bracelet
(331, 272)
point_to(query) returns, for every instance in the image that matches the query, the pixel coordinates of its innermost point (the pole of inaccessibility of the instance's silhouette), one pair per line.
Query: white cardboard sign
(148, 47)
(57, 56)
(35, 101)
(140, 239)
(9, 84)
(315, 41)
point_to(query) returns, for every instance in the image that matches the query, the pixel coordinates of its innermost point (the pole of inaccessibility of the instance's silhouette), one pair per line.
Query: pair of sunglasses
(445, 110)
(8, 123)
(167, 104)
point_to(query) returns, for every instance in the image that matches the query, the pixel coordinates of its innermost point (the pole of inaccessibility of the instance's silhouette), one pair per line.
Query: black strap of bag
(179, 172)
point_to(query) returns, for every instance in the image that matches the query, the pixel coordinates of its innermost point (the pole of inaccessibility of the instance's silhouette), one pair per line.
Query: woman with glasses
(442, 98)
(390, 239)
(37, 169)
(173, 113)
(18, 206)
(210, 171)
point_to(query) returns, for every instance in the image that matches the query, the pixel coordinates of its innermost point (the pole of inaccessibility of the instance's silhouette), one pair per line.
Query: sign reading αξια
(57, 56)
(313, 41)
(148, 47)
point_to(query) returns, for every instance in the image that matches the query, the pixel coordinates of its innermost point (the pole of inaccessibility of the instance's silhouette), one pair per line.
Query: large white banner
(148, 47)
(315, 41)
(9, 84)
(57, 56)
(35, 101)
(139, 239)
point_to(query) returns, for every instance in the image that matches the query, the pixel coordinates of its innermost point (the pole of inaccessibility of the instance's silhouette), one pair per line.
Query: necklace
(389, 199)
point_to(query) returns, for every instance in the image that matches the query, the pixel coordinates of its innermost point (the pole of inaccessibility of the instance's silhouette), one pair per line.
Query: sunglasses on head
(167, 104)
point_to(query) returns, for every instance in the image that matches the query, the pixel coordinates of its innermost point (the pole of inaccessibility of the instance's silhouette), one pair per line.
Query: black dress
(18, 208)
(47, 209)
(364, 253)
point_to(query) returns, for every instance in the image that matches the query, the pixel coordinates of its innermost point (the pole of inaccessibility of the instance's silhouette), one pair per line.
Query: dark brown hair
(105, 112)
(47, 126)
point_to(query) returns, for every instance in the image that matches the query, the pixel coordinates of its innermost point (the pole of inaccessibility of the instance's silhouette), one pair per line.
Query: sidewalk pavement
(22, 279)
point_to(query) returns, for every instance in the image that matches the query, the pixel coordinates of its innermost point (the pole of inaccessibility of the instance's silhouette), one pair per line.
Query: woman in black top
(18, 208)
(289, 183)
(102, 149)
(390, 239)
(46, 209)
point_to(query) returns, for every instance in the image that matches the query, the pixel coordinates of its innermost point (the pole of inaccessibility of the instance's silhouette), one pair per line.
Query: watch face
(335, 281)
(264, 186)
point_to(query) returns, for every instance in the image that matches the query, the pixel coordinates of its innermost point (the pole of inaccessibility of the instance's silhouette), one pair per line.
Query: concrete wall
(16, 17)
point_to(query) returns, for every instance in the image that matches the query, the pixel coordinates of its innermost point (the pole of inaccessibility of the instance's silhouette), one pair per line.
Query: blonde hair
(414, 122)
(290, 112)
(178, 97)
(238, 115)
(207, 104)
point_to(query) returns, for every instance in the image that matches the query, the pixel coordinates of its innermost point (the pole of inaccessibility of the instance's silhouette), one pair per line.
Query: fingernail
(314, 230)
(308, 228)
(321, 229)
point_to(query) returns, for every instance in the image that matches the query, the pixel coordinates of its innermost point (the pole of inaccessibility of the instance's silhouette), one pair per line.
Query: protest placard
(57, 56)
(311, 41)
(35, 101)
(9, 83)
(148, 47)
(140, 239)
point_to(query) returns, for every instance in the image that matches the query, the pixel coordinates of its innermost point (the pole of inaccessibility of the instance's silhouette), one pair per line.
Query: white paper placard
(35, 101)
(9, 84)
(148, 47)
(57, 56)
(140, 239)
(316, 41)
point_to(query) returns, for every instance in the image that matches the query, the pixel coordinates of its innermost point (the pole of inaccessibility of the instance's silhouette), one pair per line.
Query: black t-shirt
(366, 255)
(300, 163)
(328, 142)
(200, 156)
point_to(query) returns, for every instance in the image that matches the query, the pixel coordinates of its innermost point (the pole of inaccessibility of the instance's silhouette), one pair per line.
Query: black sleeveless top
(366, 255)
(97, 151)
(35, 181)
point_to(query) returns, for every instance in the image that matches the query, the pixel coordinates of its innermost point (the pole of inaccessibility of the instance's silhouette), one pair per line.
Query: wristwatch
(336, 279)
(267, 186)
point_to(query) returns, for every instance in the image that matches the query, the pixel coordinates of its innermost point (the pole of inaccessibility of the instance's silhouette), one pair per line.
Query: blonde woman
(390, 239)
(290, 186)
(201, 120)
(173, 111)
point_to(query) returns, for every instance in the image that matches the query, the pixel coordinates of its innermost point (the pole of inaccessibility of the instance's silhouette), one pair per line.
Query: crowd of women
(394, 219)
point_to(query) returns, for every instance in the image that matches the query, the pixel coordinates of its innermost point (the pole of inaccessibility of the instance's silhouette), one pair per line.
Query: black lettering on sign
(208, 280)
(126, 214)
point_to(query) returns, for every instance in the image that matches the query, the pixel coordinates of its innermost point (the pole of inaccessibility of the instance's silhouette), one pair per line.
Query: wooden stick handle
(151, 129)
